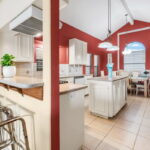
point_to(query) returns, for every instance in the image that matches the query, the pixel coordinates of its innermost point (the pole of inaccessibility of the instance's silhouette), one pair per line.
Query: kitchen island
(71, 116)
(107, 97)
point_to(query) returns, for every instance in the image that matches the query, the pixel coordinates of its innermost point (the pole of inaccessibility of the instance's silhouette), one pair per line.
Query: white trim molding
(123, 33)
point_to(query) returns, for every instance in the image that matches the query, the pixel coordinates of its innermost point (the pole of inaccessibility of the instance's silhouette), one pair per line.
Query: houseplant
(8, 66)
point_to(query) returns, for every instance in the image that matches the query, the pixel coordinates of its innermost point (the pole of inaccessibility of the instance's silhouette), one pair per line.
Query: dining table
(144, 79)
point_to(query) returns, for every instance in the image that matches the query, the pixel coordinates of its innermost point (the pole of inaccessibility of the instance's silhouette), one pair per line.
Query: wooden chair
(131, 87)
(102, 74)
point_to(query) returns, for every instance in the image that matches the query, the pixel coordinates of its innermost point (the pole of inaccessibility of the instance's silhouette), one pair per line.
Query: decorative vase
(110, 69)
(9, 71)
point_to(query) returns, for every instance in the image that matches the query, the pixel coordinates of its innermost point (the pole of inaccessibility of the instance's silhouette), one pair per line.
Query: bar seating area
(13, 131)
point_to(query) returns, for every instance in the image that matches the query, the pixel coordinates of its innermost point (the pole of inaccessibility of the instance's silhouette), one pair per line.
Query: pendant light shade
(113, 48)
(105, 45)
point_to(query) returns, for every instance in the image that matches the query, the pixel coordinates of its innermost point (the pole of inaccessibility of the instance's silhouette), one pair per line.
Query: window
(135, 60)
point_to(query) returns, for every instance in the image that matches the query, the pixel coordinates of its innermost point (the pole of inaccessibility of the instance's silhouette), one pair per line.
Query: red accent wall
(68, 32)
(55, 75)
(142, 36)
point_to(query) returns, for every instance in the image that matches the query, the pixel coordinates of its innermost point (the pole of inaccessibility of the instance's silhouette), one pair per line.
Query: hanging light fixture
(108, 43)
(113, 48)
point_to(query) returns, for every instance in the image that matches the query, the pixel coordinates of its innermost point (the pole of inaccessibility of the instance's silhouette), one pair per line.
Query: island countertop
(70, 87)
(105, 78)
(22, 82)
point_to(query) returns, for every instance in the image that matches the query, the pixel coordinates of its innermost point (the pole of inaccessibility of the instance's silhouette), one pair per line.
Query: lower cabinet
(106, 97)
(72, 120)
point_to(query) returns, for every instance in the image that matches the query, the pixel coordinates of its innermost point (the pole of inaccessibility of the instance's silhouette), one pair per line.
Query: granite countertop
(72, 76)
(105, 78)
(22, 82)
(69, 87)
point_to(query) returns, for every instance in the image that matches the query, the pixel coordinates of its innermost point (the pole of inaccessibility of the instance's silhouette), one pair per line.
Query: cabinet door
(84, 53)
(26, 47)
(99, 99)
(96, 60)
(116, 96)
(88, 60)
(72, 48)
(123, 92)
(78, 52)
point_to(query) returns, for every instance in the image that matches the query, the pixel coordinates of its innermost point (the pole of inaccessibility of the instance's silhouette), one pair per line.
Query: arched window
(134, 58)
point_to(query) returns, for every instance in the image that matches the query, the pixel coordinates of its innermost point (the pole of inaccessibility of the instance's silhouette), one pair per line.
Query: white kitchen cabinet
(88, 60)
(23, 50)
(107, 97)
(72, 120)
(96, 60)
(17, 44)
(86, 77)
(77, 52)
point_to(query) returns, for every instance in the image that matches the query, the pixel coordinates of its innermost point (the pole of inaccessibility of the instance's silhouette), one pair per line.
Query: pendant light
(113, 48)
(107, 44)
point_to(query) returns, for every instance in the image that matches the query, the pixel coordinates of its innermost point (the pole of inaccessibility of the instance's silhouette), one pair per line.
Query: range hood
(28, 22)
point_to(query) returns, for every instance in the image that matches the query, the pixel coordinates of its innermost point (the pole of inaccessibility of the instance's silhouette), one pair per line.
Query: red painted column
(54, 74)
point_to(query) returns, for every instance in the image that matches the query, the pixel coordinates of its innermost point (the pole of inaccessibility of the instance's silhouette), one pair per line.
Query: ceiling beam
(130, 17)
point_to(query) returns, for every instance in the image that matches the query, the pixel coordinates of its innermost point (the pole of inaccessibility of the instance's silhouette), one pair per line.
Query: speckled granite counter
(22, 82)
(105, 78)
(69, 87)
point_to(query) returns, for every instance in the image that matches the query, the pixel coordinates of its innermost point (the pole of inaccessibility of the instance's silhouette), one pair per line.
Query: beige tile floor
(129, 130)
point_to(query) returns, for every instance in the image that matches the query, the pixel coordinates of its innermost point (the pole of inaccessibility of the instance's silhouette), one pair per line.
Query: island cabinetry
(107, 97)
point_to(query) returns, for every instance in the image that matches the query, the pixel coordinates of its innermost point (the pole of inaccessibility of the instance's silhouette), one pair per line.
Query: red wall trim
(55, 75)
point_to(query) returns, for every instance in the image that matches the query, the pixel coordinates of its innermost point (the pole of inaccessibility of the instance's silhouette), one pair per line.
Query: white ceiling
(140, 9)
(90, 16)
(38, 3)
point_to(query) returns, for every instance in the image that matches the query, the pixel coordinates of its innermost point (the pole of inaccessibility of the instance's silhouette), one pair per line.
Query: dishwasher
(79, 80)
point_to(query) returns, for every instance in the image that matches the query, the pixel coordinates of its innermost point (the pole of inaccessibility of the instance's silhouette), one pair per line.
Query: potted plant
(8, 66)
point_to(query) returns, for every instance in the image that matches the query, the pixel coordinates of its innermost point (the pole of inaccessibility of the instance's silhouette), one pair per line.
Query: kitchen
(24, 44)
(110, 57)
(81, 84)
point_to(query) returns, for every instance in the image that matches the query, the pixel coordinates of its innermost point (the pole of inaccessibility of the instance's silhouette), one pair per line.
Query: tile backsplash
(69, 70)
(28, 69)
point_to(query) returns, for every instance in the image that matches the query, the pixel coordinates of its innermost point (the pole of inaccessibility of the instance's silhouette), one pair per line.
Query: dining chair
(102, 74)
(139, 88)
(131, 87)
(135, 73)
(114, 73)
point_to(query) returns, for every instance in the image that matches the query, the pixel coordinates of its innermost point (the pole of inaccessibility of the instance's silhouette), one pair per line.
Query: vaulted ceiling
(91, 16)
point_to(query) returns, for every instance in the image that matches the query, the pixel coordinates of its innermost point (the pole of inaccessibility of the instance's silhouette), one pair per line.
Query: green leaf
(7, 60)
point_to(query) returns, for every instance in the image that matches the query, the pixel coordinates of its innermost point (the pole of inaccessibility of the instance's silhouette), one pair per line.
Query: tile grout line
(140, 124)
(111, 130)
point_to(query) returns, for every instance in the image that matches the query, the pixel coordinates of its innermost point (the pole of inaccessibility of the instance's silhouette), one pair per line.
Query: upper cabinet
(96, 60)
(23, 48)
(77, 52)
(18, 44)
(88, 61)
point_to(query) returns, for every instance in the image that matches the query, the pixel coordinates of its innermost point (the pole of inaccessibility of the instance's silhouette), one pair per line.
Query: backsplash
(28, 69)
(69, 70)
